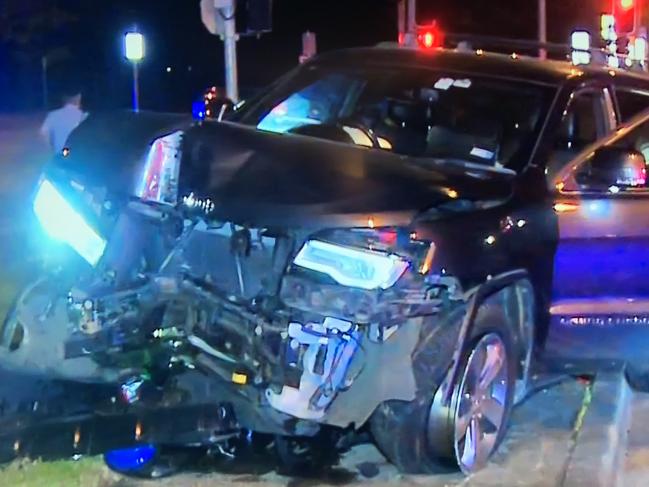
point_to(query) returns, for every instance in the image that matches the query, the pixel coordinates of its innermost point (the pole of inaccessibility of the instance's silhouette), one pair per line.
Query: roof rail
(524, 47)
(479, 41)
(531, 48)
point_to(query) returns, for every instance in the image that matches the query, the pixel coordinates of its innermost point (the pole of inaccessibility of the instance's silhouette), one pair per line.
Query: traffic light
(260, 16)
(253, 17)
(625, 12)
(429, 36)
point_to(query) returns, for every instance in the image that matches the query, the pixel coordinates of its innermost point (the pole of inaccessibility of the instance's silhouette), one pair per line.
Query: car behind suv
(385, 238)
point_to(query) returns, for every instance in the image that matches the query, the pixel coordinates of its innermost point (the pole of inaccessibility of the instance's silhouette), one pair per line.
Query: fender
(477, 297)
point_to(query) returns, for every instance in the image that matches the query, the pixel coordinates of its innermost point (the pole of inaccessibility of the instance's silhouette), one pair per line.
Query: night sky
(88, 41)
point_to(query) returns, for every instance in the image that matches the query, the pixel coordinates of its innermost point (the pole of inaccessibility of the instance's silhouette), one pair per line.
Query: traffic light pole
(407, 21)
(230, 51)
(543, 28)
(412, 17)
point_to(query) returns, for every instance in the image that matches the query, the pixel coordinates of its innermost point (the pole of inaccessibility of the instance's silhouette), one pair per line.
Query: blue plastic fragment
(130, 459)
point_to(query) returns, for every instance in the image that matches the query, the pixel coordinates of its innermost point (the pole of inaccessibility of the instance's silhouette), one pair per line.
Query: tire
(637, 377)
(419, 437)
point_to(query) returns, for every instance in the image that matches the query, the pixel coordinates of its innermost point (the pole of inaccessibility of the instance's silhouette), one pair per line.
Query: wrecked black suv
(373, 242)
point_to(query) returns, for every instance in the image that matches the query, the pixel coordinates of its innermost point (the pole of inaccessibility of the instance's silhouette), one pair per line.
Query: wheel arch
(508, 297)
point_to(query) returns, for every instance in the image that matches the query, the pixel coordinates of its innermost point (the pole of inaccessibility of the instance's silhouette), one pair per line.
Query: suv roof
(530, 69)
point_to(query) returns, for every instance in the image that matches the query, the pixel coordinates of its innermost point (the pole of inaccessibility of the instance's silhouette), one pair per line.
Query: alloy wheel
(481, 403)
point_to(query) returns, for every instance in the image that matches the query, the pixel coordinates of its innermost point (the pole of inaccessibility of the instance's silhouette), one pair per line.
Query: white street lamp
(134, 52)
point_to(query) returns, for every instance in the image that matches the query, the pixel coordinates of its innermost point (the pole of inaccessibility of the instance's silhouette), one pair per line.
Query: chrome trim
(601, 306)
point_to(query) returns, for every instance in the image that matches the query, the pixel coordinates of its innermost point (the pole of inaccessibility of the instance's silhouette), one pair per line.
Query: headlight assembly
(63, 223)
(350, 266)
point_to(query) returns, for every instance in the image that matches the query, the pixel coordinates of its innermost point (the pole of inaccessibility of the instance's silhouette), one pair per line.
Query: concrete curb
(600, 443)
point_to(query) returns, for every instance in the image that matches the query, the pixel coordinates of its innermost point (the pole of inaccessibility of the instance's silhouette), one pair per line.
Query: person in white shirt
(60, 123)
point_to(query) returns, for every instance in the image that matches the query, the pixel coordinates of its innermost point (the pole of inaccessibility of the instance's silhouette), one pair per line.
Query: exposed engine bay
(234, 302)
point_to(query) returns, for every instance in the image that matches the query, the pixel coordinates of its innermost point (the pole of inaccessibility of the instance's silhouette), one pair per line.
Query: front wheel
(425, 436)
(637, 376)
(481, 404)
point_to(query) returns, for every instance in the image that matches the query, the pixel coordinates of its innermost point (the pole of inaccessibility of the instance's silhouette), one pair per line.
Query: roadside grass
(87, 472)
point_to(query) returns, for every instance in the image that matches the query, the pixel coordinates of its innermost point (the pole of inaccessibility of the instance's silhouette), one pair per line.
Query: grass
(87, 472)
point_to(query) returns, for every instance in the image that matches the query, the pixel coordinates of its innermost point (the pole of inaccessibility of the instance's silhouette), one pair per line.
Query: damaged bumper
(285, 371)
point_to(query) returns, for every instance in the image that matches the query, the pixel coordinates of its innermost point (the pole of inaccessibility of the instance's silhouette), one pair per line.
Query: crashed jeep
(299, 267)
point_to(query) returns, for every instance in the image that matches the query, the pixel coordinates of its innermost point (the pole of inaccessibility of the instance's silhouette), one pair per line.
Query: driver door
(600, 288)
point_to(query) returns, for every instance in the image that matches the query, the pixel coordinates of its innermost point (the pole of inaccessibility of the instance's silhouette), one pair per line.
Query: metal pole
(230, 46)
(412, 16)
(411, 23)
(543, 28)
(136, 87)
(401, 20)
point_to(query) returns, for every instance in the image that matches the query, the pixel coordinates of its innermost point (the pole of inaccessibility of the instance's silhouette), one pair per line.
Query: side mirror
(614, 166)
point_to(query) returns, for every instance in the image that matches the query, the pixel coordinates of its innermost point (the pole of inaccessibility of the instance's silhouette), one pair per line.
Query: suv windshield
(415, 112)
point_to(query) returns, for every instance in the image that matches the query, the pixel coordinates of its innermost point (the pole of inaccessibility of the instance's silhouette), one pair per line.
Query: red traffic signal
(626, 4)
(625, 12)
(429, 37)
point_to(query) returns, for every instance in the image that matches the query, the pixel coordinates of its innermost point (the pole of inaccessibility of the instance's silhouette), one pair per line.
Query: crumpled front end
(251, 309)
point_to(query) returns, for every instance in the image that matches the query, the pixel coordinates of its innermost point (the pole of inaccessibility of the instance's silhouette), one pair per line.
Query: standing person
(60, 123)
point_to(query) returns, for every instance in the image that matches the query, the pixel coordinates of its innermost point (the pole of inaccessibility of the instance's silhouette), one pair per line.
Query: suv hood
(264, 179)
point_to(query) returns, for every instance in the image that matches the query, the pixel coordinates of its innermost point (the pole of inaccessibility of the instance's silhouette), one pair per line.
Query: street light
(134, 52)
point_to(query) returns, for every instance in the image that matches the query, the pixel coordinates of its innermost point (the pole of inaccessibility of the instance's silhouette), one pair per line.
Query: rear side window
(631, 102)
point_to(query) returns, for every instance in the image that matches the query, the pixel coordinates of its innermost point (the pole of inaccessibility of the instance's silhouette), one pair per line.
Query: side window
(582, 124)
(631, 102)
